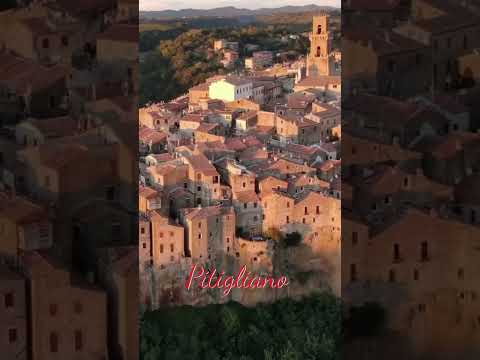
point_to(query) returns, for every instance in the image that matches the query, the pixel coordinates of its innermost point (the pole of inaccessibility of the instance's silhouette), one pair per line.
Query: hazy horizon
(158, 5)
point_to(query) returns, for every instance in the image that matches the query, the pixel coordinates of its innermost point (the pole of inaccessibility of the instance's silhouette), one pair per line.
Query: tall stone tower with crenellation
(320, 61)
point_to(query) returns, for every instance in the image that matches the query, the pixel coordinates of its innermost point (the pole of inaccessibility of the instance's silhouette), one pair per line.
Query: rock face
(306, 269)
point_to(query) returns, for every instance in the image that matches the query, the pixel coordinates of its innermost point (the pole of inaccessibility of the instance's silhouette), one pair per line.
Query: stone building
(209, 232)
(320, 61)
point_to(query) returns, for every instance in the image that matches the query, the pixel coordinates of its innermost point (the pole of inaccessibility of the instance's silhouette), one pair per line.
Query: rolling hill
(232, 12)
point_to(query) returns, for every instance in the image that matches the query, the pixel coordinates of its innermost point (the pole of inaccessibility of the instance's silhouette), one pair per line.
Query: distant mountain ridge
(231, 12)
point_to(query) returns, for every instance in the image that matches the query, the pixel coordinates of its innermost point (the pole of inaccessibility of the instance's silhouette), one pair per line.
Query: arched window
(318, 51)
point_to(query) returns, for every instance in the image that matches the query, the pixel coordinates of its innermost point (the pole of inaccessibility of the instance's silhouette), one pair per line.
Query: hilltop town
(244, 170)
(410, 177)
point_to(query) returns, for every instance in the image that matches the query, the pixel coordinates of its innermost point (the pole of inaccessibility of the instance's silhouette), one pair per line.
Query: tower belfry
(320, 61)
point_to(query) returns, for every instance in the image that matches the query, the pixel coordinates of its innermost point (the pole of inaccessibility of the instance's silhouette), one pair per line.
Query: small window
(65, 41)
(110, 193)
(416, 275)
(45, 43)
(172, 247)
(9, 300)
(78, 340)
(461, 274)
(418, 59)
(53, 309)
(53, 342)
(161, 248)
(392, 276)
(353, 272)
(424, 256)
(396, 252)
(354, 238)
(12, 336)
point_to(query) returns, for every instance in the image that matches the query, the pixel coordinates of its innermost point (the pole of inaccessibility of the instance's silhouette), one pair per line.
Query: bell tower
(319, 60)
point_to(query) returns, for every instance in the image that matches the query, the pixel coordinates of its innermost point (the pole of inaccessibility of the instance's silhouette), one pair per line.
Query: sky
(208, 4)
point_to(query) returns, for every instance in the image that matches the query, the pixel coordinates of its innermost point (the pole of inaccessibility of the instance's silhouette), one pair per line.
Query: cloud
(208, 4)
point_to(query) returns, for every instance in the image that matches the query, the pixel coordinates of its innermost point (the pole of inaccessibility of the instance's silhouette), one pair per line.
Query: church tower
(320, 61)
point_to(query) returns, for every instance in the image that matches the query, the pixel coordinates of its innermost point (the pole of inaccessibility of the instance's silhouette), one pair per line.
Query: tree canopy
(309, 329)
(178, 59)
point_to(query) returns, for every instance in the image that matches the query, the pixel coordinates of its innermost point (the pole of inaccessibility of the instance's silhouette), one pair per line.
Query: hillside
(231, 12)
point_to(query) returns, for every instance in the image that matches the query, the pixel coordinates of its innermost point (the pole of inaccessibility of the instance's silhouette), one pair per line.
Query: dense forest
(176, 58)
(309, 329)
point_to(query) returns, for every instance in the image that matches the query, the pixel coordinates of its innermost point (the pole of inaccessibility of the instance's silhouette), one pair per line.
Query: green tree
(293, 239)
(306, 329)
